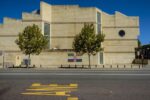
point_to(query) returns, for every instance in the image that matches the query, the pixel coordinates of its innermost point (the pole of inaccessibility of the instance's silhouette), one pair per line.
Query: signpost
(2, 54)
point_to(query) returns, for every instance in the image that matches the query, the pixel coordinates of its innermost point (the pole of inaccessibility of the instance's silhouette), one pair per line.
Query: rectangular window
(98, 22)
(47, 33)
(46, 29)
(101, 58)
(98, 18)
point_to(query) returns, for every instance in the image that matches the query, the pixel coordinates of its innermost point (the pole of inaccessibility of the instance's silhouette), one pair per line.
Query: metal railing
(117, 66)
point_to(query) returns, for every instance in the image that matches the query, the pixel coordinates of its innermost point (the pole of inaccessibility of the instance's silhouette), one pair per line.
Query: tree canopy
(31, 40)
(87, 41)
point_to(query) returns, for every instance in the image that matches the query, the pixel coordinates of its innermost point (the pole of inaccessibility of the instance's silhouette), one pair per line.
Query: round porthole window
(122, 33)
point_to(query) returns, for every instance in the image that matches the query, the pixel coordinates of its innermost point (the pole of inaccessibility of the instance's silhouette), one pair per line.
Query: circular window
(121, 33)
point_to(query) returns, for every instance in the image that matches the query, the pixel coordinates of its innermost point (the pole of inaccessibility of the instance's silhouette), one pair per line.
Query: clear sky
(141, 8)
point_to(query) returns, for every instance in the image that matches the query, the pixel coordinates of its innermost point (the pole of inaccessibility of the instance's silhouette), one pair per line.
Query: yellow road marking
(53, 85)
(48, 94)
(60, 93)
(72, 98)
(74, 85)
(52, 90)
(36, 84)
(48, 89)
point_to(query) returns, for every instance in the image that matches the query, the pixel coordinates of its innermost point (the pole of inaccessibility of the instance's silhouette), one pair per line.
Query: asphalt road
(91, 85)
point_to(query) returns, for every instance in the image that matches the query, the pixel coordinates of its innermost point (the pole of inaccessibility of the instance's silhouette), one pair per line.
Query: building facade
(60, 23)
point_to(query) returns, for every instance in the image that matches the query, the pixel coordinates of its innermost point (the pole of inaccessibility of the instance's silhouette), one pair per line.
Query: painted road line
(66, 90)
(73, 85)
(60, 93)
(46, 94)
(54, 85)
(72, 98)
(51, 89)
(36, 84)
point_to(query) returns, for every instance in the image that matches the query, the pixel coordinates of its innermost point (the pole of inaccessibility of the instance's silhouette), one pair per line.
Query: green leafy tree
(31, 41)
(88, 42)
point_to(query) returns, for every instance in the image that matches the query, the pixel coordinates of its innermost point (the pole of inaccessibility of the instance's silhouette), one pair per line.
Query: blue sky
(141, 8)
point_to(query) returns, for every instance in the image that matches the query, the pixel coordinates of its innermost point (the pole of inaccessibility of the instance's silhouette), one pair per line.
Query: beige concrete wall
(58, 58)
(108, 20)
(10, 26)
(45, 11)
(119, 49)
(31, 16)
(66, 13)
(47, 59)
(9, 32)
(123, 20)
(62, 43)
(67, 21)
(10, 59)
(8, 43)
(120, 45)
(112, 33)
(148, 62)
(119, 58)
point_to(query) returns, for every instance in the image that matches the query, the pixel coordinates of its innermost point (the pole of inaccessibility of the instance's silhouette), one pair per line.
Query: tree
(31, 41)
(88, 42)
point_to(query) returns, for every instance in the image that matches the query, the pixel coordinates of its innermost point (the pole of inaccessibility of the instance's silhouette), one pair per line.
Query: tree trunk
(28, 61)
(89, 55)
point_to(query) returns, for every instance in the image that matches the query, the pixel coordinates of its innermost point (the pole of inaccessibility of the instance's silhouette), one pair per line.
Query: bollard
(95, 66)
(33, 66)
(82, 66)
(124, 66)
(110, 66)
(75, 66)
(60, 66)
(103, 66)
(69, 65)
(117, 66)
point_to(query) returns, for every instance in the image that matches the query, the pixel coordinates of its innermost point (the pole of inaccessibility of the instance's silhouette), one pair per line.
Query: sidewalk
(47, 70)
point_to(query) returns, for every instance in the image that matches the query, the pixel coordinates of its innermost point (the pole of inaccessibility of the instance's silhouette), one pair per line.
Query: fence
(103, 66)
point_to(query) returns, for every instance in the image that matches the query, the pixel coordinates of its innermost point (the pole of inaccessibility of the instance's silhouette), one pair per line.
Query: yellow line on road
(48, 89)
(72, 98)
(47, 93)
(36, 84)
(52, 90)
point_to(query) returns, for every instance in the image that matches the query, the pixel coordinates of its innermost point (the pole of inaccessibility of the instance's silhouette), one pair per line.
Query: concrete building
(62, 23)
